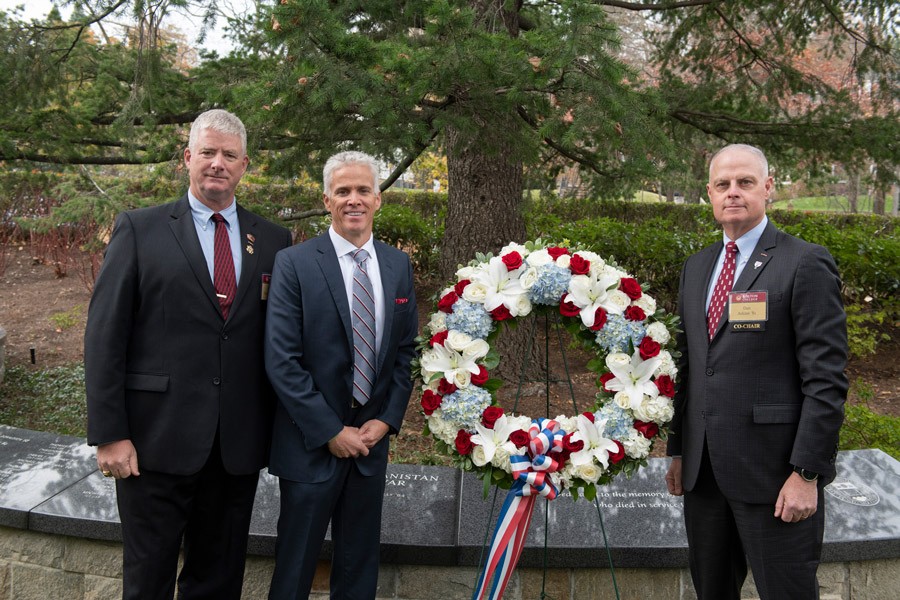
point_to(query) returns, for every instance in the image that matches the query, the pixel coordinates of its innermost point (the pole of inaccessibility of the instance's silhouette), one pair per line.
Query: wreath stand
(556, 326)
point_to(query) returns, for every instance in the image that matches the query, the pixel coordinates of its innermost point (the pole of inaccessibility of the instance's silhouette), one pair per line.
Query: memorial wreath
(603, 307)
(631, 340)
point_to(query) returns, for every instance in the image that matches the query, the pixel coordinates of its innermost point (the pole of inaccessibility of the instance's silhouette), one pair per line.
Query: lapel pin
(757, 264)
(249, 249)
(251, 238)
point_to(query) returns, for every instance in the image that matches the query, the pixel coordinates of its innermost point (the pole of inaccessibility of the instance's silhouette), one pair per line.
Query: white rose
(647, 304)
(461, 378)
(590, 472)
(519, 421)
(593, 257)
(539, 258)
(622, 400)
(528, 278)
(619, 300)
(567, 424)
(564, 260)
(475, 293)
(465, 273)
(617, 360)
(521, 306)
(479, 457)
(637, 446)
(658, 332)
(475, 349)
(457, 340)
(438, 322)
(514, 247)
(666, 365)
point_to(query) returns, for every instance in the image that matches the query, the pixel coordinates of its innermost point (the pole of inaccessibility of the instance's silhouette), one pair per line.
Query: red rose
(568, 308)
(619, 454)
(665, 385)
(599, 319)
(635, 313)
(460, 286)
(446, 303)
(561, 458)
(589, 415)
(604, 378)
(445, 388)
(490, 416)
(513, 261)
(520, 438)
(501, 313)
(430, 402)
(579, 266)
(649, 347)
(648, 430)
(557, 251)
(631, 287)
(438, 338)
(482, 376)
(464, 443)
(570, 445)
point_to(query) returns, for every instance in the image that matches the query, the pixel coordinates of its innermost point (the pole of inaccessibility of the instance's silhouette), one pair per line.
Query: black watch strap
(805, 474)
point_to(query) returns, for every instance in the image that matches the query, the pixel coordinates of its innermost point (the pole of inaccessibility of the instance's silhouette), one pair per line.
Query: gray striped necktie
(363, 329)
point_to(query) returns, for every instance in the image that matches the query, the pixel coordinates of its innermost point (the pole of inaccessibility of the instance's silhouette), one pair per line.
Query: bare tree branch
(658, 5)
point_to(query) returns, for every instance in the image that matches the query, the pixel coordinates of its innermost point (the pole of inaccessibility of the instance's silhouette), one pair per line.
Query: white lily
(501, 285)
(596, 445)
(590, 293)
(456, 367)
(633, 378)
(491, 439)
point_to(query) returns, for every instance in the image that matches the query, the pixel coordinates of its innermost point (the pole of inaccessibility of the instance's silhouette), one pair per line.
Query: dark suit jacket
(309, 358)
(764, 400)
(162, 367)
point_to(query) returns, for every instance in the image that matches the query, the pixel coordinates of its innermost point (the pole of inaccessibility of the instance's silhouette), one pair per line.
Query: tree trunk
(878, 200)
(853, 191)
(484, 202)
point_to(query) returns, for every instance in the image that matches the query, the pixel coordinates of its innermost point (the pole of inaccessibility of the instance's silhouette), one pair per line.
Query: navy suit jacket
(309, 358)
(162, 367)
(762, 400)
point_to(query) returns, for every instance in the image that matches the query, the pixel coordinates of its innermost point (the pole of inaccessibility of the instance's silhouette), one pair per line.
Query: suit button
(224, 336)
(216, 381)
(709, 372)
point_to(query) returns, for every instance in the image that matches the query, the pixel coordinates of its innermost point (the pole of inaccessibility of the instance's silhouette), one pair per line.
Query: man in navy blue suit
(339, 340)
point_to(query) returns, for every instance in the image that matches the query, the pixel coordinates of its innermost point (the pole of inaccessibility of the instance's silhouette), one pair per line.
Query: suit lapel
(182, 226)
(759, 258)
(331, 271)
(388, 285)
(249, 256)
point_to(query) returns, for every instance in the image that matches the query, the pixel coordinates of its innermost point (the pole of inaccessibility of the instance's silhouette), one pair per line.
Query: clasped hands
(356, 441)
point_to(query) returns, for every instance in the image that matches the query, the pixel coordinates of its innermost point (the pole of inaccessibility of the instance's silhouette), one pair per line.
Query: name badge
(748, 311)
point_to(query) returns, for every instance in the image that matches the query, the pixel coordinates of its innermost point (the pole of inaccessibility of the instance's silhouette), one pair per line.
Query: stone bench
(435, 523)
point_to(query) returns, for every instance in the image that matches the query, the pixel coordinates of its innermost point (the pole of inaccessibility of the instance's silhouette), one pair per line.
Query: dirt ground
(46, 314)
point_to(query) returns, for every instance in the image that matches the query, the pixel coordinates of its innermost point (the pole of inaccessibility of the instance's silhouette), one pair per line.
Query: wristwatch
(806, 475)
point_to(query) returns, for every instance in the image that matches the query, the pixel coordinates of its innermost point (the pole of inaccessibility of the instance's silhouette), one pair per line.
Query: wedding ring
(107, 473)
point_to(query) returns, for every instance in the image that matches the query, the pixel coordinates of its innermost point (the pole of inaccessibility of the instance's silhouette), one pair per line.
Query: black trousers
(725, 534)
(209, 511)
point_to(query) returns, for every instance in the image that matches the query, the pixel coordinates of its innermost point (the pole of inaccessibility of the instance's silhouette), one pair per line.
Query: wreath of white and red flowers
(603, 307)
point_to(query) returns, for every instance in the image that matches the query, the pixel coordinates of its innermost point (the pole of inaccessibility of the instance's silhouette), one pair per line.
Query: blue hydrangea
(618, 424)
(552, 282)
(470, 318)
(465, 405)
(618, 332)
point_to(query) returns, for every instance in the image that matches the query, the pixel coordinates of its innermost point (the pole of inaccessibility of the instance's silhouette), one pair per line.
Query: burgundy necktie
(223, 266)
(723, 286)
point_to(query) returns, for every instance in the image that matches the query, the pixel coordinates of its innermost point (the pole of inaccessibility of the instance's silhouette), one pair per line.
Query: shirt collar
(202, 213)
(747, 242)
(342, 246)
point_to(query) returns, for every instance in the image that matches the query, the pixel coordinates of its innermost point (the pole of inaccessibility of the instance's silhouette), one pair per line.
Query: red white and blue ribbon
(531, 474)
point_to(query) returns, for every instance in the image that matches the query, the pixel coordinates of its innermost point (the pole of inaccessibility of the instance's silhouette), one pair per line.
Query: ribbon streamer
(531, 475)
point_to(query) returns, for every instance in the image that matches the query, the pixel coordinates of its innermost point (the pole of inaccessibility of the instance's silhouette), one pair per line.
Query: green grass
(44, 399)
(831, 204)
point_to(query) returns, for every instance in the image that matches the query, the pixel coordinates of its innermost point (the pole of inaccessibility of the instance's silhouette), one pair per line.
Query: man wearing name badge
(339, 340)
(179, 406)
(761, 394)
